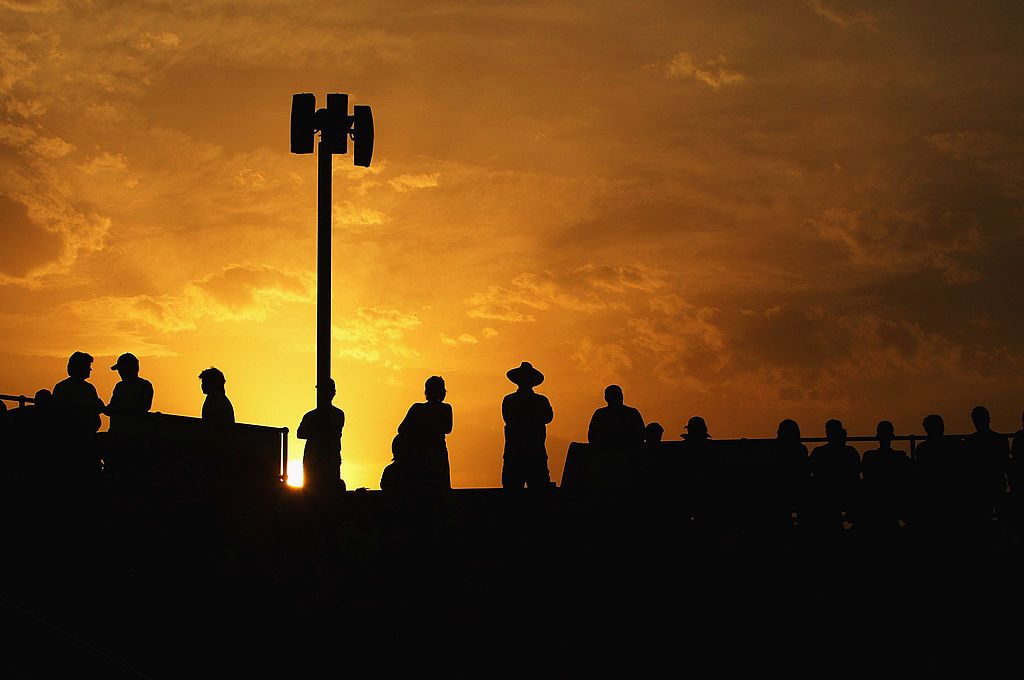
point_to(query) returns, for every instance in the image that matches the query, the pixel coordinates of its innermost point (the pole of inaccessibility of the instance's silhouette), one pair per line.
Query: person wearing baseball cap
(132, 395)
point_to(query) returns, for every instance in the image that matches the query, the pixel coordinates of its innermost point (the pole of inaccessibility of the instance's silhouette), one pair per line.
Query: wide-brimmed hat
(697, 428)
(126, 360)
(525, 374)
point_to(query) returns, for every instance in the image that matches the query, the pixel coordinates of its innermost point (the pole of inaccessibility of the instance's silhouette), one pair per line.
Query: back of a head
(834, 431)
(653, 433)
(434, 388)
(43, 397)
(885, 430)
(788, 430)
(79, 364)
(933, 425)
(980, 417)
(613, 395)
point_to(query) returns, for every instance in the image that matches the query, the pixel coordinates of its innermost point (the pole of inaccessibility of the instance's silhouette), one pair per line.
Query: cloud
(404, 183)
(845, 19)
(376, 335)
(712, 72)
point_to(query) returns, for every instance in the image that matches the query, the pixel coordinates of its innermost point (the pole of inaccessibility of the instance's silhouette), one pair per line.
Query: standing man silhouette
(616, 427)
(132, 396)
(526, 416)
(76, 399)
(321, 458)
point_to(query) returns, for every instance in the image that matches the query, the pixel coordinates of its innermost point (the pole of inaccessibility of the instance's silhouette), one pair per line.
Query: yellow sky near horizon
(747, 212)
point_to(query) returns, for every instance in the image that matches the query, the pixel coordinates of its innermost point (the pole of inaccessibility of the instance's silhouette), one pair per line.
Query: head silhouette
(613, 395)
(434, 388)
(328, 389)
(80, 365)
(653, 433)
(212, 381)
(127, 366)
(43, 397)
(788, 431)
(980, 417)
(696, 428)
(885, 431)
(525, 376)
(933, 425)
(834, 432)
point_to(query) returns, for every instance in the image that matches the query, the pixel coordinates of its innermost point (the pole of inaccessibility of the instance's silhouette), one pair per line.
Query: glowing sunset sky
(748, 211)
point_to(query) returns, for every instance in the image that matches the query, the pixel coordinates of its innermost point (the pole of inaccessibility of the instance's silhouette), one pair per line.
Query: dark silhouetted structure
(132, 395)
(526, 415)
(321, 428)
(616, 427)
(420, 449)
(216, 407)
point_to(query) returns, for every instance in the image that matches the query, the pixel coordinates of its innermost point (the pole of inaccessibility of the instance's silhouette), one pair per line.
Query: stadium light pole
(335, 126)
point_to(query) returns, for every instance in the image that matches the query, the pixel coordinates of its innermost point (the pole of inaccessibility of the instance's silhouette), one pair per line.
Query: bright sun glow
(295, 473)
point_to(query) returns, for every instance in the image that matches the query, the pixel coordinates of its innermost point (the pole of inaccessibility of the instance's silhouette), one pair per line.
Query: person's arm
(549, 414)
(304, 427)
(592, 429)
(148, 399)
(447, 429)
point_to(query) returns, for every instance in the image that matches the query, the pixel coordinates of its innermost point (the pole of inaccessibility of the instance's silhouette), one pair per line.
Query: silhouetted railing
(21, 399)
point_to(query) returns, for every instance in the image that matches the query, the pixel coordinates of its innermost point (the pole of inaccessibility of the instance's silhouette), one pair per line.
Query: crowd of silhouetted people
(942, 481)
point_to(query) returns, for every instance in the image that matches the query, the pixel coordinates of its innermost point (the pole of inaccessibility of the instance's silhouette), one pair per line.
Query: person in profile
(75, 398)
(424, 452)
(886, 481)
(321, 428)
(616, 427)
(526, 415)
(988, 455)
(216, 407)
(132, 395)
(76, 417)
(835, 474)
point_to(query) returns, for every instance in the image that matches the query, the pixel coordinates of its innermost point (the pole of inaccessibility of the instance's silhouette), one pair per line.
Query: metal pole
(323, 274)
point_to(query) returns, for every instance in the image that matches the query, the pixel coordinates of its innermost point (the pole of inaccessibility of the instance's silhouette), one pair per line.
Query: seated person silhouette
(653, 432)
(616, 427)
(696, 430)
(321, 428)
(526, 415)
(988, 457)
(132, 395)
(423, 453)
(835, 474)
(75, 400)
(216, 407)
(886, 477)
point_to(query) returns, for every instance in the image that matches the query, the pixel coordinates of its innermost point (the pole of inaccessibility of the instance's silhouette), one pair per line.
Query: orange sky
(738, 210)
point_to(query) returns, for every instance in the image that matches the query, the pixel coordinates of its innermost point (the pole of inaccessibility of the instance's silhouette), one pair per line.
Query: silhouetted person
(76, 400)
(216, 407)
(1015, 475)
(132, 395)
(789, 475)
(886, 482)
(653, 432)
(321, 458)
(616, 427)
(935, 471)
(526, 415)
(76, 411)
(835, 472)
(696, 430)
(424, 454)
(988, 457)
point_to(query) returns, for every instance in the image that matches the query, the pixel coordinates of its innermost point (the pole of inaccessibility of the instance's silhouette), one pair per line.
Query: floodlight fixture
(335, 126)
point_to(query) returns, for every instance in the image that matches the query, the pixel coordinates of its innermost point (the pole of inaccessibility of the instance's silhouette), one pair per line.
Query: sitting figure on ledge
(616, 427)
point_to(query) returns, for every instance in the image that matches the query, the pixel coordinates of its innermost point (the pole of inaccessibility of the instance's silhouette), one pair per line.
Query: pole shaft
(323, 273)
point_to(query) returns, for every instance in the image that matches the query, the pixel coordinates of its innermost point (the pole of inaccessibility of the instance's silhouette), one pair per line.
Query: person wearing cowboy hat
(526, 415)
(132, 395)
